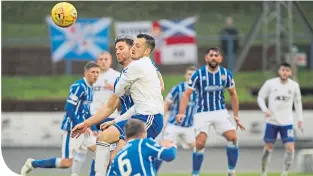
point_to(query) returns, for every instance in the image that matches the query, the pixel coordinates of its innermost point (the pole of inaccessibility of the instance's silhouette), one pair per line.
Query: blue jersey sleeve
(173, 94)
(194, 81)
(155, 150)
(112, 171)
(230, 80)
(75, 96)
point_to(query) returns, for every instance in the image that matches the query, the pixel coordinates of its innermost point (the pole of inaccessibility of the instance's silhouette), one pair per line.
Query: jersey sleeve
(262, 95)
(156, 151)
(128, 77)
(298, 103)
(155, 66)
(230, 82)
(75, 95)
(112, 170)
(194, 81)
(173, 94)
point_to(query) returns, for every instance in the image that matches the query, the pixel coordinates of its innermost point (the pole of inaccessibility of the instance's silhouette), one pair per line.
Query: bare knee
(200, 141)
(109, 135)
(290, 147)
(268, 146)
(231, 136)
(66, 163)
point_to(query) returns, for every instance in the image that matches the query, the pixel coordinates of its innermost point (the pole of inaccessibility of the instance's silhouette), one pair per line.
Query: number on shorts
(124, 164)
(290, 133)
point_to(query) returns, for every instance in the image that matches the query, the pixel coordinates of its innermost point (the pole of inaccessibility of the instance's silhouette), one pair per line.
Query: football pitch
(212, 174)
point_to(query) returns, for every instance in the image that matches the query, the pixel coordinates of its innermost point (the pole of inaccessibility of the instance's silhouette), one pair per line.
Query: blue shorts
(105, 120)
(154, 124)
(286, 133)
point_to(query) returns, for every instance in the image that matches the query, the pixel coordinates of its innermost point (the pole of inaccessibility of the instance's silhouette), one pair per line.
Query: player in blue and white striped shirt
(210, 83)
(136, 158)
(77, 110)
(184, 130)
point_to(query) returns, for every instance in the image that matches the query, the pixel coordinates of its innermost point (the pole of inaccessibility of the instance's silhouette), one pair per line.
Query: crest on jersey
(289, 91)
(73, 97)
(223, 77)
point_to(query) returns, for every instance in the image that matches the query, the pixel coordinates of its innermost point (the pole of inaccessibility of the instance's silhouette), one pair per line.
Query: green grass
(217, 174)
(56, 87)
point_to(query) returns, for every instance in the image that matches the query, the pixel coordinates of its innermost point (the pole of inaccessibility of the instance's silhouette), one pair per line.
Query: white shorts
(220, 120)
(177, 133)
(70, 146)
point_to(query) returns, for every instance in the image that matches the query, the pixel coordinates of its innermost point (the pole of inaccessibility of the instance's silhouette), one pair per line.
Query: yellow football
(64, 14)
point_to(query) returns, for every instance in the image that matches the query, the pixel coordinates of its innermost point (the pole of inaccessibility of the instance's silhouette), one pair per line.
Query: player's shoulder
(293, 82)
(272, 81)
(150, 141)
(79, 83)
(225, 70)
(115, 72)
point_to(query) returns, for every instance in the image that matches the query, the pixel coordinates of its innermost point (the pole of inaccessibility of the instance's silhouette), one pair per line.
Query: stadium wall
(42, 129)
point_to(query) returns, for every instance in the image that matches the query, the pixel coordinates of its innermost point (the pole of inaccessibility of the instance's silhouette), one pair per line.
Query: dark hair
(285, 64)
(216, 49)
(90, 65)
(149, 40)
(134, 128)
(127, 39)
(191, 68)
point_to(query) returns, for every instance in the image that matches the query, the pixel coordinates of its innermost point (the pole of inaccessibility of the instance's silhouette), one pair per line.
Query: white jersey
(280, 100)
(142, 80)
(101, 94)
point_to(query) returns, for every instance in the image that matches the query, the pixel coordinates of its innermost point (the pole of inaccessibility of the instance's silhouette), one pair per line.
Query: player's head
(104, 60)
(135, 128)
(143, 46)
(92, 70)
(284, 71)
(189, 72)
(213, 57)
(123, 46)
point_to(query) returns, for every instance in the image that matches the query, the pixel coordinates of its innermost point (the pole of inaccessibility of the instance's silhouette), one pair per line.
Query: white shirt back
(101, 94)
(142, 80)
(280, 100)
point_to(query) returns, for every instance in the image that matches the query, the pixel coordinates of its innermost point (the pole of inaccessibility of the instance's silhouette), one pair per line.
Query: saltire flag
(175, 41)
(84, 40)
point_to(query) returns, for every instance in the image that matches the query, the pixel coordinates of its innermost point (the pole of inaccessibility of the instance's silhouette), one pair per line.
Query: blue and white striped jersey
(210, 87)
(175, 96)
(137, 158)
(125, 100)
(77, 107)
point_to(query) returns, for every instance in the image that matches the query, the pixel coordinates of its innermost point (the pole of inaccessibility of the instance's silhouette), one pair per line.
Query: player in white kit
(141, 80)
(103, 89)
(282, 93)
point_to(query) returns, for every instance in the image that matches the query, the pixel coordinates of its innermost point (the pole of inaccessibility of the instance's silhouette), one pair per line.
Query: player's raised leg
(54, 162)
(106, 138)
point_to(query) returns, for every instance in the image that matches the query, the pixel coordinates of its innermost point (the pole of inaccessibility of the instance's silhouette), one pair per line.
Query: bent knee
(109, 135)
(66, 163)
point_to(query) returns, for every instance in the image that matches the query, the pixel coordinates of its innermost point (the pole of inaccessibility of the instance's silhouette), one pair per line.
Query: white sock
(102, 158)
(266, 159)
(288, 161)
(78, 162)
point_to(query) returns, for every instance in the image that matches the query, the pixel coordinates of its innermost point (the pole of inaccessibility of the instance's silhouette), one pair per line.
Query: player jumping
(77, 109)
(172, 129)
(282, 93)
(145, 88)
(210, 82)
(135, 157)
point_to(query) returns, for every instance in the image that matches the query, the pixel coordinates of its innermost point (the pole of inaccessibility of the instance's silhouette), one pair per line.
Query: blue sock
(46, 163)
(232, 156)
(92, 168)
(197, 159)
(157, 164)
